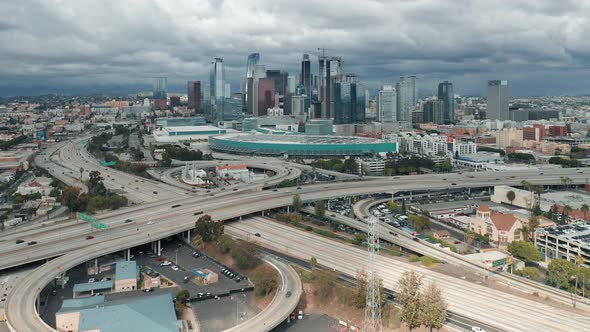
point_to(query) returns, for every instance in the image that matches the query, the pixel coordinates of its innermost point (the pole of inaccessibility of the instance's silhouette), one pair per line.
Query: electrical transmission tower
(373, 308)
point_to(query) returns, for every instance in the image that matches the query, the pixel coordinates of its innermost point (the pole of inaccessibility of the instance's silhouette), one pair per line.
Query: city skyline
(536, 45)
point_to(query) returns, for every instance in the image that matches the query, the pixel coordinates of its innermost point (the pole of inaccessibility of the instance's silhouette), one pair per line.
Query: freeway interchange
(155, 219)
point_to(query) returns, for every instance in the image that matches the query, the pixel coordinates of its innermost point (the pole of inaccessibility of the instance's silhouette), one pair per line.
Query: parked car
(166, 263)
(300, 314)
(91, 280)
(160, 259)
(89, 237)
(174, 267)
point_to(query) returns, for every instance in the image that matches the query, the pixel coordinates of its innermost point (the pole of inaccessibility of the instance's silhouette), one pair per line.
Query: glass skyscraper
(159, 88)
(217, 81)
(251, 63)
(306, 74)
(349, 102)
(387, 104)
(445, 93)
(407, 97)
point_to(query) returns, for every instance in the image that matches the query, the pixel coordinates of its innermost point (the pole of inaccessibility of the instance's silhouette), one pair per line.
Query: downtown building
(497, 103)
(407, 98)
(387, 104)
(446, 95)
(194, 96)
(349, 102)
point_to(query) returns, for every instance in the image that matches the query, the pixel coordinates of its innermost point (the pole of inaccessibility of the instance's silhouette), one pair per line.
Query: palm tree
(533, 224)
(585, 208)
(526, 232)
(565, 213)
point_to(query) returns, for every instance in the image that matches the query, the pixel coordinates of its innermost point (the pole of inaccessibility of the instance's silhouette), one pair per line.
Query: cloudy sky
(83, 46)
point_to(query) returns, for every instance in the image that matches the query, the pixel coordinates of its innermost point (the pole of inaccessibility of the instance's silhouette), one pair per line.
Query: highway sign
(85, 217)
(499, 262)
(107, 163)
(99, 225)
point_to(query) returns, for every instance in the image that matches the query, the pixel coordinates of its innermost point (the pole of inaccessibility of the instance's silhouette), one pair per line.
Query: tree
(320, 208)
(96, 184)
(183, 295)
(565, 214)
(578, 261)
(525, 251)
(265, 281)
(392, 206)
(360, 238)
(532, 225)
(70, 198)
(511, 196)
(434, 307)
(560, 272)
(225, 243)
(245, 254)
(585, 209)
(209, 229)
(410, 299)
(420, 223)
(297, 203)
(313, 262)
(446, 166)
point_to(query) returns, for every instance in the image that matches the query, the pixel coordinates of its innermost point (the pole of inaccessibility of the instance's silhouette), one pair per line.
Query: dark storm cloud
(540, 46)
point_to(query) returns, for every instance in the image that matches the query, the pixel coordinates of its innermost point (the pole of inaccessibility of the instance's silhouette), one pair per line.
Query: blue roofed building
(90, 288)
(126, 276)
(154, 313)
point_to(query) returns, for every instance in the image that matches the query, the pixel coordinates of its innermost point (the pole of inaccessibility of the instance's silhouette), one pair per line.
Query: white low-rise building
(522, 198)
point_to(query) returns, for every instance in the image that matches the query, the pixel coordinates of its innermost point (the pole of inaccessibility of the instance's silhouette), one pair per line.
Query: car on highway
(53, 292)
(89, 237)
(453, 184)
(150, 223)
(257, 234)
(477, 329)
(235, 189)
(155, 192)
(288, 294)
(147, 290)
(32, 243)
(128, 221)
(298, 187)
(174, 267)
(19, 241)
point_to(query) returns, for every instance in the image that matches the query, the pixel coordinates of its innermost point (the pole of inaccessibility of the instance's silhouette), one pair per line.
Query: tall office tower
(330, 69)
(360, 111)
(306, 79)
(445, 93)
(266, 95)
(498, 96)
(387, 104)
(253, 60)
(206, 93)
(251, 63)
(227, 90)
(434, 111)
(194, 96)
(291, 85)
(343, 105)
(280, 78)
(349, 102)
(159, 88)
(174, 102)
(217, 79)
(259, 72)
(407, 97)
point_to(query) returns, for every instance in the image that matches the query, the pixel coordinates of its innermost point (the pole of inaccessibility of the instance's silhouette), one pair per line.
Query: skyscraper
(329, 69)
(407, 97)
(445, 93)
(306, 74)
(387, 104)
(434, 111)
(349, 102)
(266, 95)
(498, 96)
(251, 63)
(259, 72)
(253, 60)
(159, 88)
(291, 85)
(280, 78)
(217, 79)
(194, 96)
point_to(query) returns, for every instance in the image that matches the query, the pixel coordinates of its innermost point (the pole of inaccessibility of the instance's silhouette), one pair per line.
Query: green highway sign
(99, 225)
(85, 217)
(107, 163)
(499, 262)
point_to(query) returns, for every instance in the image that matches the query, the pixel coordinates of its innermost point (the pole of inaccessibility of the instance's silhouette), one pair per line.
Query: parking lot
(173, 250)
(310, 323)
(225, 312)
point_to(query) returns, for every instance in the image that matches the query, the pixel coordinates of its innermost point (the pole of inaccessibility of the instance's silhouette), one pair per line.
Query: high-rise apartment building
(498, 97)
(434, 111)
(407, 97)
(387, 104)
(194, 96)
(306, 80)
(445, 93)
